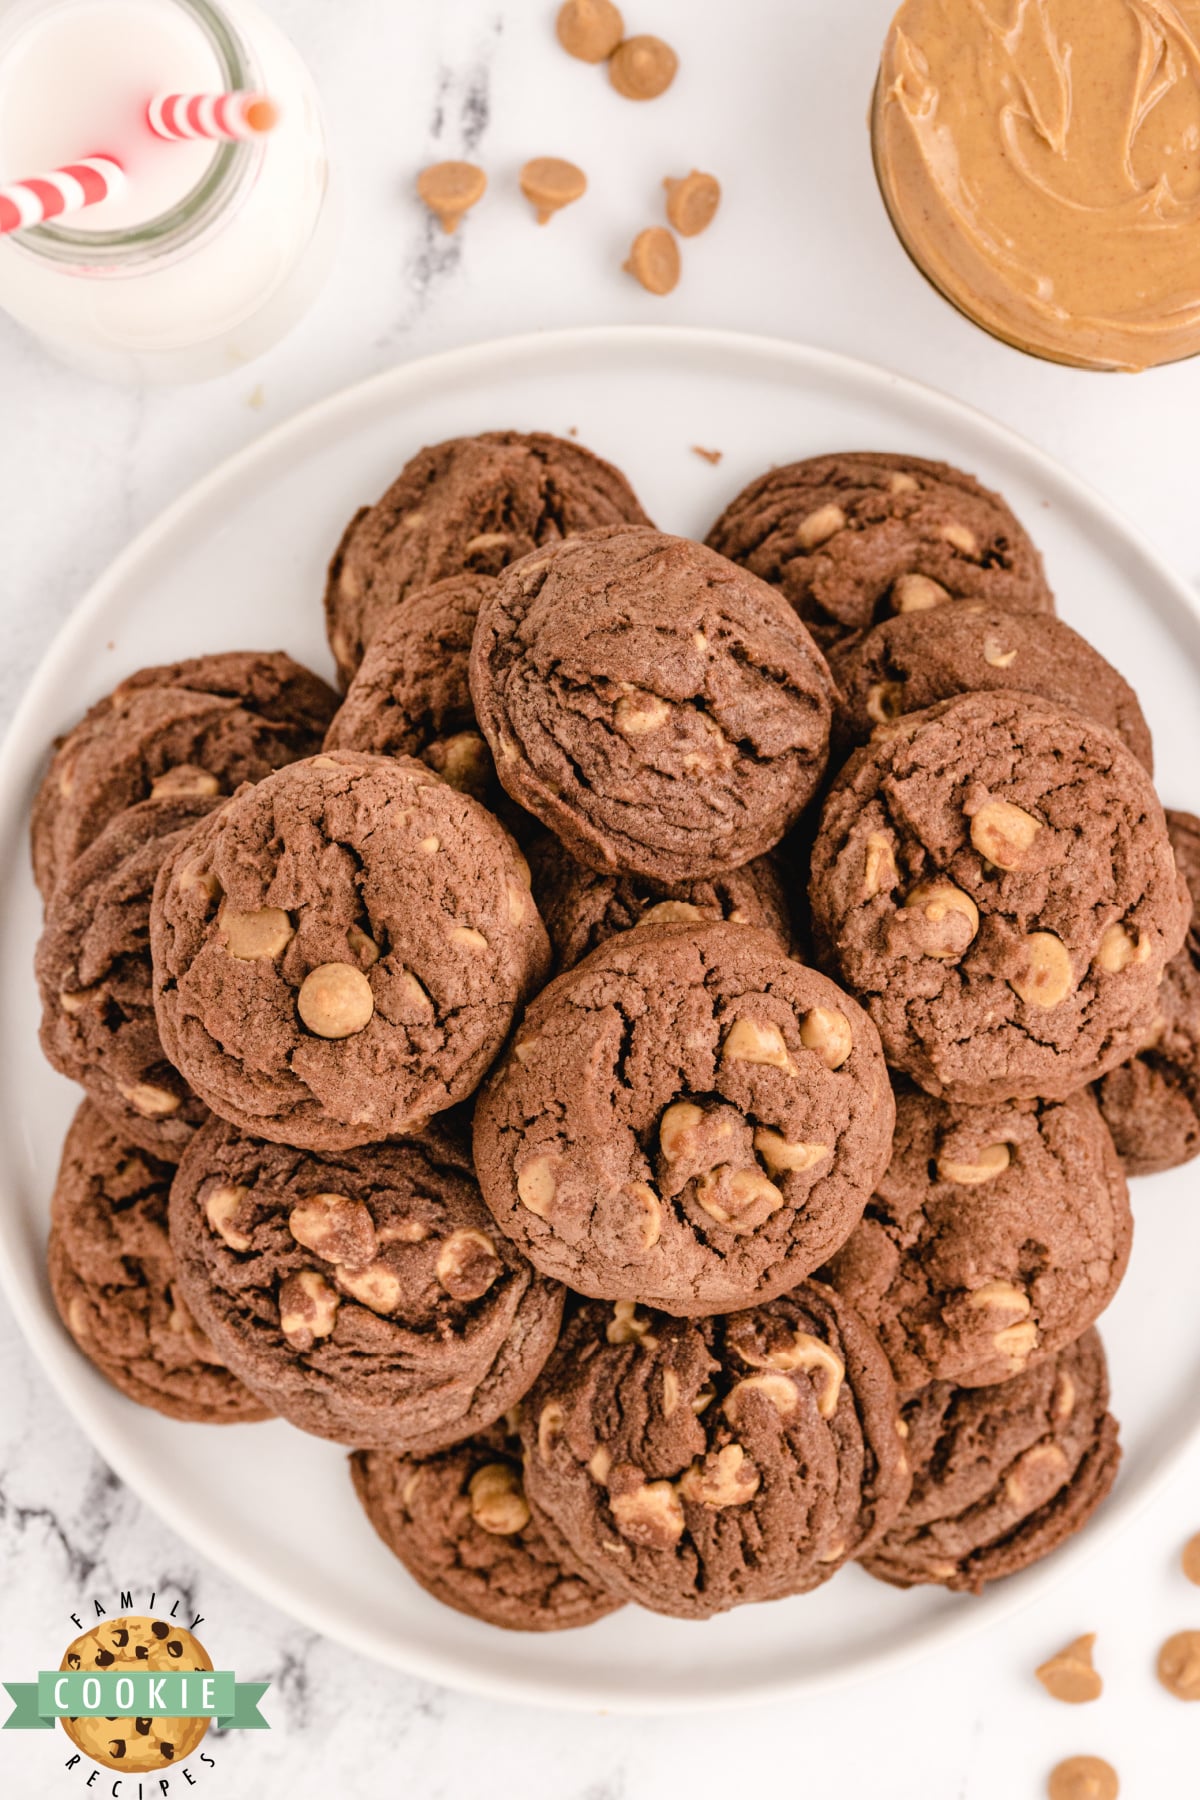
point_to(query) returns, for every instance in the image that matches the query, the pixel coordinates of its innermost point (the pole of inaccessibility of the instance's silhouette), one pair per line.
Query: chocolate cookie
(582, 908)
(1152, 1102)
(996, 1237)
(993, 879)
(471, 505)
(698, 1464)
(688, 1118)
(462, 1525)
(364, 1294)
(96, 986)
(1001, 1475)
(662, 711)
(910, 662)
(192, 728)
(853, 537)
(114, 1281)
(340, 951)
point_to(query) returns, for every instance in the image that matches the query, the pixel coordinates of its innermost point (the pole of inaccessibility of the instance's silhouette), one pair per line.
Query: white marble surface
(772, 96)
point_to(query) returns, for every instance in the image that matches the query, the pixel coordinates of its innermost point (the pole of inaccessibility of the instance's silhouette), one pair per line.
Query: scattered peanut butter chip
(1083, 1778)
(692, 202)
(589, 29)
(449, 189)
(654, 260)
(709, 456)
(549, 183)
(1179, 1665)
(642, 68)
(1071, 1675)
(1191, 1559)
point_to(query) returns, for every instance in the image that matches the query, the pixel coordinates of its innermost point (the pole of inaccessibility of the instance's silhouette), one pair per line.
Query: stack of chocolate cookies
(653, 1070)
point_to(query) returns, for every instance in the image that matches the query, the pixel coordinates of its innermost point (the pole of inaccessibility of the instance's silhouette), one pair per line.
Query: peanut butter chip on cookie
(450, 189)
(498, 1502)
(692, 202)
(589, 29)
(337, 1228)
(184, 781)
(917, 593)
(1006, 835)
(307, 1309)
(335, 1000)
(1071, 1675)
(1191, 1559)
(654, 260)
(257, 936)
(1179, 1665)
(1046, 979)
(549, 183)
(1083, 1778)
(467, 1264)
(642, 68)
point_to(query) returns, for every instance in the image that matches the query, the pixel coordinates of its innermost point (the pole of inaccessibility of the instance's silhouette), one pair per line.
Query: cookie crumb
(692, 202)
(1083, 1778)
(589, 29)
(1190, 1560)
(1071, 1675)
(1179, 1665)
(654, 260)
(710, 456)
(549, 183)
(450, 189)
(642, 68)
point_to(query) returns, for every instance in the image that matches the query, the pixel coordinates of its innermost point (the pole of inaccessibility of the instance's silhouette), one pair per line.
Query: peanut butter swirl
(1040, 160)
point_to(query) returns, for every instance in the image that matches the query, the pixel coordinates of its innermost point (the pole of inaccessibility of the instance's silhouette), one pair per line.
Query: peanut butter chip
(1006, 835)
(642, 68)
(1119, 947)
(945, 908)
(1046, 979)
(752, 1041)
(960, 538)
(335, 1227)
(307, 1309)
(1179, 1665)
(973, 1171)
(638, 713)
(335, 1000)
(183, 781)
(996, 655)
(816, 528)
(672, 912)
(1083, 1778)
(467, 1264)
(917, 593)
(537, 1185)
(1071, 1676)
(776, 1390)
(827, 1034)
(885, 701)
(1190, 1560)
(498, 1502)
(257, 936)
(692, 202)
(786, 1155)
(376, 1286)
(724, 1478)
(221, 1205)
(589, 29)
(549, 183)
(450, 189)
(651, 1514)
(880, 872)
(150, 1101)
(654, 260)
(739, 1199)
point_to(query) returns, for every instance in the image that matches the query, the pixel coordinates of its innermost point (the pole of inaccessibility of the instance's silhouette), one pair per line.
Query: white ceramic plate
(238, 563)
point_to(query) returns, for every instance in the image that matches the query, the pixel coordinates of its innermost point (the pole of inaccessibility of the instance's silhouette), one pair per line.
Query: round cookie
(916, 659)
(470, 505)
(114, 1280)
(699, 1464)
(993, 879)
(339, 952)
(95, 980)
(462, 1525)
(1152, 1103)
(191, 728)
(687, 1118)
(996, 1237)
(1001, 1475)
(659, 709)
(364, 1294)
(582, 909)
(850, 538)
(133, 1643)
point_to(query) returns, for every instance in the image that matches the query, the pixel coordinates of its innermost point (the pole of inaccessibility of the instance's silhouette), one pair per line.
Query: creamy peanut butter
(1040, 160)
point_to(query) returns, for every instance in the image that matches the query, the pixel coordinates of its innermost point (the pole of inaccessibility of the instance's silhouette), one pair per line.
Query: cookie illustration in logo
(140, 1746)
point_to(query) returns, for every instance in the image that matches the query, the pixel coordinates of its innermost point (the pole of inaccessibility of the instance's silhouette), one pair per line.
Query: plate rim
(43, 1332)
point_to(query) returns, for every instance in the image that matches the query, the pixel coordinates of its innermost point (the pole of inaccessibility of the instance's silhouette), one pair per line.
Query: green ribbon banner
(135, 1694)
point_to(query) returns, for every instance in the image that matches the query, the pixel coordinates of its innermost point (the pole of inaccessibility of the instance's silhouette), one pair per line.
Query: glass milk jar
(209, 251)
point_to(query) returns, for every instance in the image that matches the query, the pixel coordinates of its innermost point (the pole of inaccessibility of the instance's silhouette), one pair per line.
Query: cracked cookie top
(663, 712)
(699, 1464)
(463, 1526)
(993, 879)
(114, 1280)
(996, 1237)
(1001, 1475)
(688, 1118)
(95, 980)
(470, 505)
(340, 951)
(1152, 1103)
(851, 538)
(365, 1294)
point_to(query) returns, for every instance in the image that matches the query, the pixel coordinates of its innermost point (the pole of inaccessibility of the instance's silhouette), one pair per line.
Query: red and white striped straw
(239, 115)
(66, 190)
